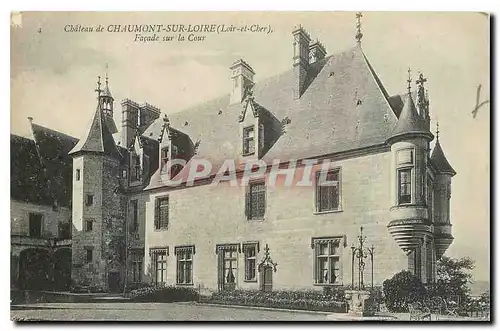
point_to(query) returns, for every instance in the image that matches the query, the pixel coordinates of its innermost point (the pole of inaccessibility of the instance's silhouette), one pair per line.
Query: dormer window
(136, 167)
(249, 140)
(164, 159)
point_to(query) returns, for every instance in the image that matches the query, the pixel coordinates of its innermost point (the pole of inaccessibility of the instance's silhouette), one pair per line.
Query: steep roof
(409, 121)
(438, 159)
(41, 169)
(97, 138)
(344, 106)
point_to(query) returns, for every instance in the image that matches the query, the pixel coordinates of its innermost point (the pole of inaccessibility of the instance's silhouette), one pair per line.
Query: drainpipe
(126, 248)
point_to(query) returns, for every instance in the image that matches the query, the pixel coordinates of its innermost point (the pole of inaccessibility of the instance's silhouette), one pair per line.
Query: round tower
(409, 141)
(442, 192)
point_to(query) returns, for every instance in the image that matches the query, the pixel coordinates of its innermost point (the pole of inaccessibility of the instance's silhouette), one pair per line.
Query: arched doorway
(61, 262)
(34, 269)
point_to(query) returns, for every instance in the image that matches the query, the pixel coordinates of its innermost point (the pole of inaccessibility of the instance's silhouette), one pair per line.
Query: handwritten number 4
(478, 105)
(40, 30)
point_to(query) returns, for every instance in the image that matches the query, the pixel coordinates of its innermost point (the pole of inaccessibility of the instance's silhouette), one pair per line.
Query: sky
(54, 74)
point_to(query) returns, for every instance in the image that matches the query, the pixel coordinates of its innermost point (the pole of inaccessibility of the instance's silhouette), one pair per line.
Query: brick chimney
(242, 77)
(130, 121)
(317, 52)
(301, 40)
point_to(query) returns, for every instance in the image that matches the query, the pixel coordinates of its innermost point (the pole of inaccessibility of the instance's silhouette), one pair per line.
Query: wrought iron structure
(359, 254)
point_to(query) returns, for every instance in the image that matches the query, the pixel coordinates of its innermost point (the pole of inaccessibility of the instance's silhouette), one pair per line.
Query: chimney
(317, 52)
(148, 114)
(130, 114)
(301, 41)
(242, 77)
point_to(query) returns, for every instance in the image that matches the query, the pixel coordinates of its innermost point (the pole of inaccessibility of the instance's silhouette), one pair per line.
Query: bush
(136, 286)
(402, 289)
(305, 300)
(159, 293)
(79, 288)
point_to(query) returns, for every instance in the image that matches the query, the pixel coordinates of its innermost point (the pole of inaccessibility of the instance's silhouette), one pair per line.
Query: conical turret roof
(97, 138)
(409, 122)
(438, 159)
(106, 92)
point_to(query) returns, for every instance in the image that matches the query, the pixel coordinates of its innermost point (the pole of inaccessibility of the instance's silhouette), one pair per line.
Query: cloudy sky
(53, 76)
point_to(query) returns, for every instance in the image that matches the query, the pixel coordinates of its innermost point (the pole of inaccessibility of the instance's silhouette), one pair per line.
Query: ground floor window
(184, 264)
(137, 265)
(327, 260)
(159, 261)
(228, 265)
(250, 254)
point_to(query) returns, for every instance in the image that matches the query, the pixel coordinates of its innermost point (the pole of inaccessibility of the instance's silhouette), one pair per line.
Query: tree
(452, 278)
(402, 289)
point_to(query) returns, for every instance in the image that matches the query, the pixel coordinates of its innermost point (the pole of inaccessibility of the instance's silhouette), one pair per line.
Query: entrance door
(266, 279)
(114, 282)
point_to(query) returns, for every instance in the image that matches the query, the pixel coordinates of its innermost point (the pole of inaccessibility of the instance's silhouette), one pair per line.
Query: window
(228, 266)
(184, 264)
(124, 173)
(405, 162)
(77, 174)
(35, 225)
(137, 262)
(160, 265)
(135, 216)
(89, 201)
(164, 159)
(161, 213)
(248, 140)
(250, 253)
(328, 190)
(404, 186)
(327, 261)
(136, 167)
(430, 197)
(88, 254)
(256, 201)
(88, 225)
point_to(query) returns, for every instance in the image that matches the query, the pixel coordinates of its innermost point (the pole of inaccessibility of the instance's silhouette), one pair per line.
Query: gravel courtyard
(153, 312)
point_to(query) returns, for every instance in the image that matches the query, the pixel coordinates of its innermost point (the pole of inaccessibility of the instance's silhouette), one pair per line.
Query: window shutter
(220, 268)
(315, 267)
(248, 206)
(157, 213)
(318, 192)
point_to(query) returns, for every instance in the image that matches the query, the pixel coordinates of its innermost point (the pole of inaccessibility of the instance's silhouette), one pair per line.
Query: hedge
(300, 300)
(163, 294)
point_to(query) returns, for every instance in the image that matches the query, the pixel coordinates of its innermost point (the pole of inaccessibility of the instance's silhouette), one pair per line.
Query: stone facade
(326, 107)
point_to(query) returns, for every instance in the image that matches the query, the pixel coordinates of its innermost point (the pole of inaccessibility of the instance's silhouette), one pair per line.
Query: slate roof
(410, 122)
(343, 107)
(97, 138)
(41, 169)
(438, 159)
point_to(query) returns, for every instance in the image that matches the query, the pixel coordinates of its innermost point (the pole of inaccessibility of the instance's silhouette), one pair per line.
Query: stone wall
(205, 216)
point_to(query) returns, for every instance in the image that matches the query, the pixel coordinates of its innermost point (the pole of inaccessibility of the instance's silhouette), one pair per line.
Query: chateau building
(148, 206)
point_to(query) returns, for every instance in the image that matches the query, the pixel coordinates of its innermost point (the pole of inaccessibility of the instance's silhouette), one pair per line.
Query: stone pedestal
(358, 303)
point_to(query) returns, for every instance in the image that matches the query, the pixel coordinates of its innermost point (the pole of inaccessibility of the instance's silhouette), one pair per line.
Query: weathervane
(359, 35)
(437, 130)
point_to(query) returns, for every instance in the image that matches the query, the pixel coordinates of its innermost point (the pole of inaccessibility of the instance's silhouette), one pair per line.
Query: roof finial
(98, 90)
(437, 130)
(409, 80)
(107, 75)
(359, 35)
(421, 79)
